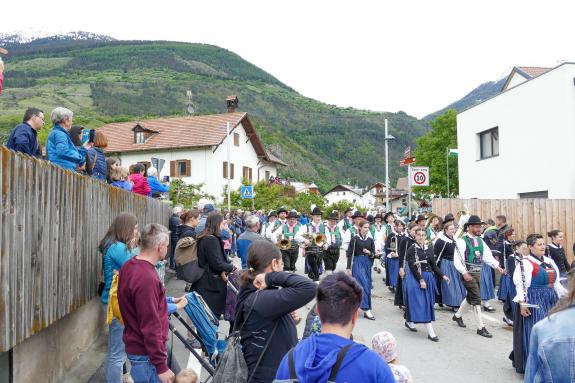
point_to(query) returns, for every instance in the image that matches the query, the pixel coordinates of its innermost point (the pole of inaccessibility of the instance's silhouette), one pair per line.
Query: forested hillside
(103, 80)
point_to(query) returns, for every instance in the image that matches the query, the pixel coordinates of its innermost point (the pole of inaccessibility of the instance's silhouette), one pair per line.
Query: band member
(389, 220)
(282, 217)
(556, 252)
(269, 227)
(352, 230)
(392, 255)
(347, 220)
(314, 250)
(505, 250)
(519, 251)
(420, 284)
(331, 255)
(444, 249)
(536, 279)
(473, 260)
(421, 221)
(293, 231)
(434, 227)
(377, 231)
(405, 243)
(360, 252)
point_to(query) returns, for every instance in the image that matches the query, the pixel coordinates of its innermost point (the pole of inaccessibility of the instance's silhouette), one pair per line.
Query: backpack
(113, 303)
(186, 257)
(334, 370)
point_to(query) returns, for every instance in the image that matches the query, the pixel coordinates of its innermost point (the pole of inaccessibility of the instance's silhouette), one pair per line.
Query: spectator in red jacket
(140, 182)
(142, 299)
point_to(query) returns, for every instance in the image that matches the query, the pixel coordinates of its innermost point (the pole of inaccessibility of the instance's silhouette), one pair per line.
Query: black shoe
(412, 329)
(433, 339)
(484, 332)
(488, 309)
(459, 321)
(368, 317)
(508, 322)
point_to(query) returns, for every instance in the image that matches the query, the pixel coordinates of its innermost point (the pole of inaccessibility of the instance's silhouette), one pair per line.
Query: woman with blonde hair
(119, 178)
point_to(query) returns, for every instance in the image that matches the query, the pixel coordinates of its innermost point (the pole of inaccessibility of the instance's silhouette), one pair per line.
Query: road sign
(419, 176)
(247, 192)
(407, 161)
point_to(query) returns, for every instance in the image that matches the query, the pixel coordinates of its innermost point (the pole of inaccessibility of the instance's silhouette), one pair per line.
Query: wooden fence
(526, 216)
(50, 225)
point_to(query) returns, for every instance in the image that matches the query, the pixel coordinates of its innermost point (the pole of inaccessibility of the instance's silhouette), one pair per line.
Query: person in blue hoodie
(156, 187)
(59, 147)
(331, 356)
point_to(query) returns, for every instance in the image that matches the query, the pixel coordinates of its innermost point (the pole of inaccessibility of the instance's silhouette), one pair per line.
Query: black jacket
(186, 231)
(388, 242)
(272, 306)
(557, 254)
(505, 251)
(174, 225)
(211, 286)
(416, 253)
(358, 244)
(405, 243)
(443, 247)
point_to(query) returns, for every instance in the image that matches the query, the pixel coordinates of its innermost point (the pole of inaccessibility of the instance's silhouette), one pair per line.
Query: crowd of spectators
(82, 150)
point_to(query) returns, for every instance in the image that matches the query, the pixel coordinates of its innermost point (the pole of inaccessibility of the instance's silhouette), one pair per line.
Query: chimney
(232, 102)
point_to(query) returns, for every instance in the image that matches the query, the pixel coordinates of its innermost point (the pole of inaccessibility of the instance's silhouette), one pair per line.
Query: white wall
(207, 166)
(536, 123)
(516, 80)
(263, 167)
(335, 197)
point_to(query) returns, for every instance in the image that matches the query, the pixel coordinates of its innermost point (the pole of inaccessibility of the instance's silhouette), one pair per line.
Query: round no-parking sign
(420, 176)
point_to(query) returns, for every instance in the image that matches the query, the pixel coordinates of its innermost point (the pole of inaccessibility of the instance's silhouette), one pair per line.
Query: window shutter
(225, 173)
(173, 169)
(250, 175)
(232, 171)
(188, 168)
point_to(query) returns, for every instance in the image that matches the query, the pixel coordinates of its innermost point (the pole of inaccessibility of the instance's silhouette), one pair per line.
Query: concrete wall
(536, 121)
(47, 355)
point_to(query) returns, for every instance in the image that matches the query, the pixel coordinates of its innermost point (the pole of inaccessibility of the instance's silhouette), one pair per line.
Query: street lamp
(387, 138)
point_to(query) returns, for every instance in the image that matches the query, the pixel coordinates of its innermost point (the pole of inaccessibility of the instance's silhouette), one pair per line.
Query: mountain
(477, 95)
(104, 80)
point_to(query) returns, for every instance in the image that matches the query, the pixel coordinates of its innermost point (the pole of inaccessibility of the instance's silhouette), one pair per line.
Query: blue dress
(420, 301)
(361, 265)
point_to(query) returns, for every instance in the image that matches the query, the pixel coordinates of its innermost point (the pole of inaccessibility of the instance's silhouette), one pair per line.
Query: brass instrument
(393, 244)
(319, 240)
(284, 243)
(461, 217)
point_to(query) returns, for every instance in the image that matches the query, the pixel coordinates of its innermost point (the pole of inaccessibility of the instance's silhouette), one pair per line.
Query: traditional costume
(454, 292)
(537, 283)
(331, 255)
(268, 227)
(295, 235)
(392, 259)
(360, 265)
(314, 253)
(406, 242)
(474, 257)
(346, 222)
(557, 254)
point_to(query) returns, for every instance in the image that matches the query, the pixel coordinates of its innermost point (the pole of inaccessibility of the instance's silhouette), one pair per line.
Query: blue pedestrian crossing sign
(247, 192)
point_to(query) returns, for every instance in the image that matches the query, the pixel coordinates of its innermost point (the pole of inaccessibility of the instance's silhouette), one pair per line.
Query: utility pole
(447, 162)
(229, 167)
(409, 189)
(386, 170)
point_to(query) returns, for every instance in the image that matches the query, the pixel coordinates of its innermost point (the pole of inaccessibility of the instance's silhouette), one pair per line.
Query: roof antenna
(190, 106)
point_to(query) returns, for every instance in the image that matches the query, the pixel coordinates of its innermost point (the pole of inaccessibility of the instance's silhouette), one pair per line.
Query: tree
(432, 150)
(187, 195)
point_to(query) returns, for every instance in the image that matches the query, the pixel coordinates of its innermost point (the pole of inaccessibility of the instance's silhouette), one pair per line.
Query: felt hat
(378, 215)
(293, 214)
(473, 220)
(370, 219)
(282, 210)
(448, 218)
(316, 211)
(333, 215)
(420, 217)
(357, 214)
(272, 214)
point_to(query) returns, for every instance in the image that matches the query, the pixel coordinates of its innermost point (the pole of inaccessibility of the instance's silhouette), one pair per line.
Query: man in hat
(421, 221)
(313, 252)
(472, 260)
(353, 230)
(269, 227)
(331, 255)
(293, 231)
(347, 220)
(282, 217)
(389, 219)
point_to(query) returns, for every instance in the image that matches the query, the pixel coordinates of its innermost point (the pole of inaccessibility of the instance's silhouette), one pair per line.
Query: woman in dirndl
(420, 284)
(536, 280)
(505, 249)
(392, 255)
(453, 293)
(360, 253)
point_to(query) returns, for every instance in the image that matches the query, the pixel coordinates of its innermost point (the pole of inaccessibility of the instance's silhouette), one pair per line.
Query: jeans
(116, 353)
(142, 370)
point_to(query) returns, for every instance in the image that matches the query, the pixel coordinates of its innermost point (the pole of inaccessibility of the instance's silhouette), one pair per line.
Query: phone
(166, 178)
(85, 136)
(91, 135)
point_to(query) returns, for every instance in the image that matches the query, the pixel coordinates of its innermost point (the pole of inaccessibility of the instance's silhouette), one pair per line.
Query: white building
(374, 196)
(343, 193)
(195, 149)
(520, 143)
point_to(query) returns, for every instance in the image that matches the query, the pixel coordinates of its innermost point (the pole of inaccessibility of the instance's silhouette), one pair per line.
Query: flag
(454, 152)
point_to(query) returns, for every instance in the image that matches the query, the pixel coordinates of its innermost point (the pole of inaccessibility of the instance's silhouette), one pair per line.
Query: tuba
(284, 243)
(319, 240)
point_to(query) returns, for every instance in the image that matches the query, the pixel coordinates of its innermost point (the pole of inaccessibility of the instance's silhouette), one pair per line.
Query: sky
(410, 55)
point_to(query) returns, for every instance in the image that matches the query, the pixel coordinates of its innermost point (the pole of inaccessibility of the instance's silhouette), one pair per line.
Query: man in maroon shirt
(142, 300)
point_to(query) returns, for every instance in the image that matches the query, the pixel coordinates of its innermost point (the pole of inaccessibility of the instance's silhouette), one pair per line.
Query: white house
(343, 193)
(374, 196)
(521, 142)
(195, 148)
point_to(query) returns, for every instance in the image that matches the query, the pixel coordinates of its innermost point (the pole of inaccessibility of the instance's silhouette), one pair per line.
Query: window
(489, 143)
(537, 194)
(139, 138)
(267, 174)
(247, 173)
(236, 139)
(225, 170)
(181, 168)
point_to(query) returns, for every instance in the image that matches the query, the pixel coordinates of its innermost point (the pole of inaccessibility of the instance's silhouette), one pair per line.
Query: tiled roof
(182, 132)
(533, 71)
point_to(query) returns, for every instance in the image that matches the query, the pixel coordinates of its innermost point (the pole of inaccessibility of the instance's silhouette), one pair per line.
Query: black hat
(282, 210)
(420, 218)
(387, 215)
(448, 218)
(370, 218)
(333, 215)
(293, 214)
(357, 214)
(378, 215)
(473, 220)
(272, 214)
(316, 211)
(348, 209)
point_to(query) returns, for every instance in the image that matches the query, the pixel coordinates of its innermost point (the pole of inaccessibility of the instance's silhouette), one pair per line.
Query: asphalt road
(460, 356)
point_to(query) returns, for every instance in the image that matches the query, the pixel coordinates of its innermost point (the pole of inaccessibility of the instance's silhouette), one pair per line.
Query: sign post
(419, 176)
(247, 192)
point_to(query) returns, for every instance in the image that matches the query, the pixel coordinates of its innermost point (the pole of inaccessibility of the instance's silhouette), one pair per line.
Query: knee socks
(464, 306)
(429, 329)
(478, 317)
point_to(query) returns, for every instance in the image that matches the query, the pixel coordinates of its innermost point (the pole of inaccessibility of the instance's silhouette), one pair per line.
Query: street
(460, 356)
